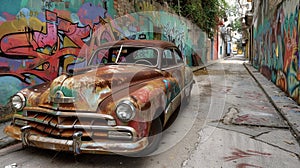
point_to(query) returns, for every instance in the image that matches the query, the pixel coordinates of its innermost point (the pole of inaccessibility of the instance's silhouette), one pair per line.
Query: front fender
(148, 97)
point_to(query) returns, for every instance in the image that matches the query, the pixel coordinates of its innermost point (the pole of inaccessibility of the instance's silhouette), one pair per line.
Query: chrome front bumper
(76, 145)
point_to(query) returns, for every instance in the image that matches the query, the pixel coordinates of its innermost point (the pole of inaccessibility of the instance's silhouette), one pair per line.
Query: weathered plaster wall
(276, 44)
(40, 39)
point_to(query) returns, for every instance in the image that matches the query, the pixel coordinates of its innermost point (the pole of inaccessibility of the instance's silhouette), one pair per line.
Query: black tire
(154, 138)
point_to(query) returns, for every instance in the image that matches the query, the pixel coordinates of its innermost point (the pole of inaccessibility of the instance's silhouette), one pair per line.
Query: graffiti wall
(276, 45)
(39, 40)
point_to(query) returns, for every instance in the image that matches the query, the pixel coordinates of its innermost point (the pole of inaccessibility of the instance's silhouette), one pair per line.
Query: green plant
(204, 13)
(237, 25)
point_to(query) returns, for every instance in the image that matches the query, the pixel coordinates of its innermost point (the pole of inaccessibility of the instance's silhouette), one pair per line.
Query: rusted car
(119, 102)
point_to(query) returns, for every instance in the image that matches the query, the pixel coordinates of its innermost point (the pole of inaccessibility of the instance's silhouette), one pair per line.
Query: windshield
(125, 55)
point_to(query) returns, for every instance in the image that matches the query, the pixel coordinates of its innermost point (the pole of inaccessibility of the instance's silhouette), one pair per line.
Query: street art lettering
(175, 35)
(276, 48)
(44, 51)
(36, 48)
(47, 5)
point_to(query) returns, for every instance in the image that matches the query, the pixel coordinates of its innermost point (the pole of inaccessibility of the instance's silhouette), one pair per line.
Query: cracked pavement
(251, 133)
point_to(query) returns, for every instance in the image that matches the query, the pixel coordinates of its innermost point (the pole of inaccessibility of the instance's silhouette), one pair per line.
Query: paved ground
(230, 122)
(286, 107)
(252, 133)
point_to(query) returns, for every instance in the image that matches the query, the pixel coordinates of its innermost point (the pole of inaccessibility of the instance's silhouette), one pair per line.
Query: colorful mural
(38, 44)
(276, 47)
(41, 40)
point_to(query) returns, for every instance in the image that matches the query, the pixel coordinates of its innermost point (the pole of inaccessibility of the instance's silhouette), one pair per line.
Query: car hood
(88, 87)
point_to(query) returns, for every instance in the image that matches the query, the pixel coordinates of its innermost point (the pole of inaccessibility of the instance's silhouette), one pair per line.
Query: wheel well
(160, 113)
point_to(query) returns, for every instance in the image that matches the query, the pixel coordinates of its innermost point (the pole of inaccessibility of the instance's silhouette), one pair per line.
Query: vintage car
(119, 102)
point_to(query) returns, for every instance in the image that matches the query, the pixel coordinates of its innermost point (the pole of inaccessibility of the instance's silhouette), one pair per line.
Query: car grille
(65, 124)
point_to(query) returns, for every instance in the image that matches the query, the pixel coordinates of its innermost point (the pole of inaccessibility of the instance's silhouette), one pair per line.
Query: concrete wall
(40, 39)
(276, 44)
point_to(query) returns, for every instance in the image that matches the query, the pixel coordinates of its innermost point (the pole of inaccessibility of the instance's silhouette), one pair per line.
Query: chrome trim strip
(86, 146)
(171, 67)
(189, 84)
(63, 100)
(182, 91)
(90, 115)
(68, 114)
(86, 127)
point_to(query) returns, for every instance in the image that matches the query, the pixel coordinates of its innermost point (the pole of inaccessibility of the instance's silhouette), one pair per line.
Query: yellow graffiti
(281, 81)
(68, 61)
(21, 25)
(146, 6)
(68, 42)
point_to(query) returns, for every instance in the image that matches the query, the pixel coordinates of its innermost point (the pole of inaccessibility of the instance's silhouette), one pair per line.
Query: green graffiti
(276, 46)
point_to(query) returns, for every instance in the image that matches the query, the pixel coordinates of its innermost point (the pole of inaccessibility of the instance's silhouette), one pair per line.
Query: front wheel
(154, 138)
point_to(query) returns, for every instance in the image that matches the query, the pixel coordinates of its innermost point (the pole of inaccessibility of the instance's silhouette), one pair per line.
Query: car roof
(146, 43)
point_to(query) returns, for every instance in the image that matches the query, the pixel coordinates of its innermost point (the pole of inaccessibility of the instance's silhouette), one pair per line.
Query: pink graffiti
(245, 165)
(44, 49)
(42, 52)
(26, 43)
(249, 119)
(50, 38)
(8, 16)
(238, 154)
(75, 33)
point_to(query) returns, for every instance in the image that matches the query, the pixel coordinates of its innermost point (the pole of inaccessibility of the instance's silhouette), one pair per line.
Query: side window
(167, 54)
(178, 58)
(168, 58)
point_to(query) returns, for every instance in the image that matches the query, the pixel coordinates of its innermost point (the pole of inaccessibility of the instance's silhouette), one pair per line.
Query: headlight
(18, 101)
(125, 110)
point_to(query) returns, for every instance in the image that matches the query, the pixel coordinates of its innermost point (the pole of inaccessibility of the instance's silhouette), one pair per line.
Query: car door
(174, 65)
